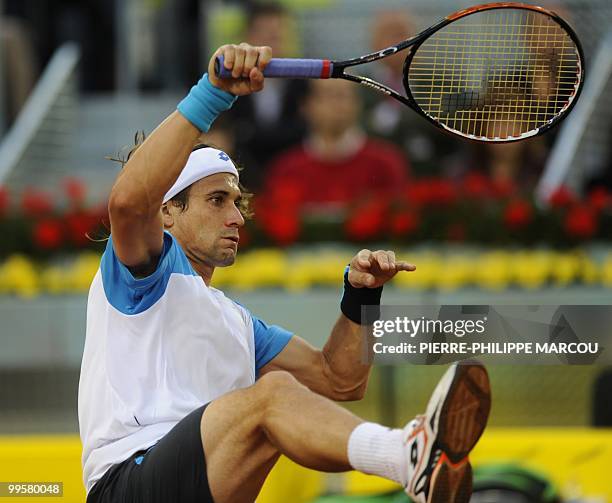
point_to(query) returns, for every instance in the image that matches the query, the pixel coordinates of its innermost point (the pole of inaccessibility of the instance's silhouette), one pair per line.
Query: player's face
(208, 228)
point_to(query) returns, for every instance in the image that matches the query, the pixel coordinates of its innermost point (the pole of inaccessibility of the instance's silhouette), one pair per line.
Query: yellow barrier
(43, 459)
(577, 460)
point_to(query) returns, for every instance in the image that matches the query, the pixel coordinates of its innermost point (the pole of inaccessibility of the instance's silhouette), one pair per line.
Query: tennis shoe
(437, 444)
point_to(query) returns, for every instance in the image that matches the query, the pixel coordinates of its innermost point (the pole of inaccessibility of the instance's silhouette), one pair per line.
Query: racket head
(498, 72)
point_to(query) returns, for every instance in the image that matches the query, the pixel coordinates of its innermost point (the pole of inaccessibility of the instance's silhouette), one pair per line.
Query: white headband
(202, 163)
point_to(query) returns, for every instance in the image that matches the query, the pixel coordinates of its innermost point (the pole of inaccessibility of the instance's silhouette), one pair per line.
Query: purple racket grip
(286, 68)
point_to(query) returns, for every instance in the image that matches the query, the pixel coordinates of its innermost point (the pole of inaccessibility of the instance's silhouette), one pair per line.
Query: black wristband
(353, 298)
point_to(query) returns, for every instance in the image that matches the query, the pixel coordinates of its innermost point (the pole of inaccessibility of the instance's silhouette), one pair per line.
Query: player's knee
(276, 383)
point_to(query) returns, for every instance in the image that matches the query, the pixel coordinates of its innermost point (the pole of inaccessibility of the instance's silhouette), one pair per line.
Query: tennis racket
(497, 72)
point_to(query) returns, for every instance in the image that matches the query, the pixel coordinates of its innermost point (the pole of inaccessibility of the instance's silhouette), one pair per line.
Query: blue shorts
(173, 470)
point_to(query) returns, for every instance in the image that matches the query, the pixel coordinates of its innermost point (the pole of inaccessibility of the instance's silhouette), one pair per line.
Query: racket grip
(286, 68)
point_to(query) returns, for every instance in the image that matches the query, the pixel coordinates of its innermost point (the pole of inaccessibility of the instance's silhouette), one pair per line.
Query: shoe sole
(457, 414)
(465, 411)
(451, 482)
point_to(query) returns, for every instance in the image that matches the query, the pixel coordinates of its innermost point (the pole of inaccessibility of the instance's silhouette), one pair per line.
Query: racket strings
(495, 74)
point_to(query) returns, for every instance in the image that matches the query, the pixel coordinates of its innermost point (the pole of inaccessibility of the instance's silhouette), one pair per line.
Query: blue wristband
(204, 103)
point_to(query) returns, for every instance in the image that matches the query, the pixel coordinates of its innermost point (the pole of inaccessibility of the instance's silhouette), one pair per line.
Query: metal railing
(39, 137)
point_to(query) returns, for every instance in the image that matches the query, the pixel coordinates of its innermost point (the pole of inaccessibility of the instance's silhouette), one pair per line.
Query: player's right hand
(372, 269)
(246, 63)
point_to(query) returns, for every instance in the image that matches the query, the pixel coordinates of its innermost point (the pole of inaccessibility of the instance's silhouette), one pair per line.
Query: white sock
(377, 450)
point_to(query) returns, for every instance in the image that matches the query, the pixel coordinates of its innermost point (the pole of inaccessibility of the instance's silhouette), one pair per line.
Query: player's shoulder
(228, 303)
(133, 294)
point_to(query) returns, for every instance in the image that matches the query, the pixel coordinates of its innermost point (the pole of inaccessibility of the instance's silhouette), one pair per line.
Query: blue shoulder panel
(132, 295)
(269, 341)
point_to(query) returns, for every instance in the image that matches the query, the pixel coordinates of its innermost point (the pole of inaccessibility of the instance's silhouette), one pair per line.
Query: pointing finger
(405, 266)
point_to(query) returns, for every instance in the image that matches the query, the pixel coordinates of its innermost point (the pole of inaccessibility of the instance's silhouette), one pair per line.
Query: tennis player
(186, 396)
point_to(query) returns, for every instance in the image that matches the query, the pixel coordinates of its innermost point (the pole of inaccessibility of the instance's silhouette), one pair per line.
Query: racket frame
(413, 44)
(325, 68)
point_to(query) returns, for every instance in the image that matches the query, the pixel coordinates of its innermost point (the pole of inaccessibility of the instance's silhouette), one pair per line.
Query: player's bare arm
(340, 370)
(136, 197)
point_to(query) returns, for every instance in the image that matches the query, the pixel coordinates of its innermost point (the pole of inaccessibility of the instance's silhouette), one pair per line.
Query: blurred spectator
(222, 136)
(515, 165)
(337, 163)
(425, 145)
(268, 122)
(18, 70)
(91, 24)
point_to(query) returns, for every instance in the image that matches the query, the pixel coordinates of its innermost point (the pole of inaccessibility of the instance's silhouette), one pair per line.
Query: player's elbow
(349, 394)
(345, 383)
(348, 388)
(122, 204)
(119, 202)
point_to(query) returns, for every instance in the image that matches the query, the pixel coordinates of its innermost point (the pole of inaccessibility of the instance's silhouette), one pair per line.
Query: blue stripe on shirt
(131, 295)
(270, 340)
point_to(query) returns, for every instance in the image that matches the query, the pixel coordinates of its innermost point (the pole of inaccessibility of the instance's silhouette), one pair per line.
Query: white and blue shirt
(156, 349)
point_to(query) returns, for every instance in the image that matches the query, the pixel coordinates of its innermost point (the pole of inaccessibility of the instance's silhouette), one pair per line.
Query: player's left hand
(371, 269)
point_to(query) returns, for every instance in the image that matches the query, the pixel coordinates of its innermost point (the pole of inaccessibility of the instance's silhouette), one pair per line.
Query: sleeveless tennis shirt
(157, 348)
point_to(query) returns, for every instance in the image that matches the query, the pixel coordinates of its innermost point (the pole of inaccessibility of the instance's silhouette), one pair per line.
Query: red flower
(503, 188)
(47, 234)
(417, 192)
(562, 198)
(4, 200)
(443, 192)
(518, 214)
(75, 191)
(404, 223)
(600, 199)
(284, 228)
(367, 221)
(35, 202)
(581, 222)
(431, 191)
(476, 186)
(78, 226)
(281, 225)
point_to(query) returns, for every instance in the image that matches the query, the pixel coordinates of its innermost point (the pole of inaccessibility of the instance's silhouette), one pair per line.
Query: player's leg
(244, 432)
